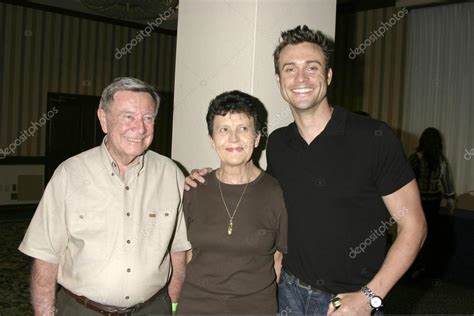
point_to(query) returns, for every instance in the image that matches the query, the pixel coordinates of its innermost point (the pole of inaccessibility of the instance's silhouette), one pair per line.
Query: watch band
(368, 292)
(375, 301)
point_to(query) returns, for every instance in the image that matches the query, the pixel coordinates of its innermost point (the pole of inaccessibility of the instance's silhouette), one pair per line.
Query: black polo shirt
(333, 188)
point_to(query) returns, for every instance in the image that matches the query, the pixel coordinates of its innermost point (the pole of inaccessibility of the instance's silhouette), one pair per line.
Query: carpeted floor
(426, 296)
(15, 270)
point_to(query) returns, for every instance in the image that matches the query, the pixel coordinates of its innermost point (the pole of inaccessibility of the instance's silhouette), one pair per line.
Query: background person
(434, 180)
(110, 219)
(237, 222)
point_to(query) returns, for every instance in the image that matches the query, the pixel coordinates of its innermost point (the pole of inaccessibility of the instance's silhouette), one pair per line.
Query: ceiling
(76, 7)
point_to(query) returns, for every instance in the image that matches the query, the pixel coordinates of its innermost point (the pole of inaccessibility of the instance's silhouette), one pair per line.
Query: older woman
(236, 221)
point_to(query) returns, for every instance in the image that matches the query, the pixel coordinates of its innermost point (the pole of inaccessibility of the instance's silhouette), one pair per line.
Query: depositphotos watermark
(26, 133)
(377, 233)
(469, 154)
(374, 35)
(146, 32)
(276, 121)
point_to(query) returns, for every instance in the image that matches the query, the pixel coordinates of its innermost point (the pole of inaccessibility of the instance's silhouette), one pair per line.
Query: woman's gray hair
(127, 84)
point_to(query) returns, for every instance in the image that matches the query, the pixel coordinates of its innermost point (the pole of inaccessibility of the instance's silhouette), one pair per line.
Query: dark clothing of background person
(434, 184)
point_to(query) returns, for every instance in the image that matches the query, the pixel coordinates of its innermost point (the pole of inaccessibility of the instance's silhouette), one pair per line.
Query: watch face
(375, 302)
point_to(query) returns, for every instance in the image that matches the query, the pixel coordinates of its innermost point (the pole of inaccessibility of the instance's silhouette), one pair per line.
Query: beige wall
(45, 52)
(227, 45)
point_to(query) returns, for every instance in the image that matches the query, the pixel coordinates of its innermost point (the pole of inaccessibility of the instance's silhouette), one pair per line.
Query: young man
(345, 179)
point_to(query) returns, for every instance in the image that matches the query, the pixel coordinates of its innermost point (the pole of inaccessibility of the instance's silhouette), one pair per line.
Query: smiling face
(303, 80)
(234, 138)
(129, 125)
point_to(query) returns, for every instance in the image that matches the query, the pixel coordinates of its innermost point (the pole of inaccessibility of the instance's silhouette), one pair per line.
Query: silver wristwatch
(375, 302)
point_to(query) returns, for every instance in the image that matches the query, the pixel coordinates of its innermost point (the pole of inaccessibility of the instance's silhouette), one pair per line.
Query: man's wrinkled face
(129, 124)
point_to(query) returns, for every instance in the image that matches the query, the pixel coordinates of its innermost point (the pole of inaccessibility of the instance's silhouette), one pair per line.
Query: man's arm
(405, 207)
(189, 255)
(43, 287)
(178, 261)
(277, 258)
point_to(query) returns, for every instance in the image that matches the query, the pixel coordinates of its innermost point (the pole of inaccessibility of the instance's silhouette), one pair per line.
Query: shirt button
(128, 270)
(128, 213)
(128, 241)
(112, 174)
(127, 297)
(127, 188)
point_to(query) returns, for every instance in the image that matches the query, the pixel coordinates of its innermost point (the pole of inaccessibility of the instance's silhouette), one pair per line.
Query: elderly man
(345, 179)
(110, 219)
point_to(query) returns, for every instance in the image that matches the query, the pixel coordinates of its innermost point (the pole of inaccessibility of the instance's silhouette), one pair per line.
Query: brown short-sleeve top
(233, 273)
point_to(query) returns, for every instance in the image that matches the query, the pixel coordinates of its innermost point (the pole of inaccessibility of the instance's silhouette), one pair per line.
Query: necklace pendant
(229, 229)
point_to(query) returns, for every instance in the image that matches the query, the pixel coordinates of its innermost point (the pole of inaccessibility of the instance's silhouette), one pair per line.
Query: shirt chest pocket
(89, 217)
(88, 232)
(87, 222)
(89, 210)
(157, 228)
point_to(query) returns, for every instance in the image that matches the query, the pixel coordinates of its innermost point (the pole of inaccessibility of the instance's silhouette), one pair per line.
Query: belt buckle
(124, 311)
(128, 311)
(133, 309)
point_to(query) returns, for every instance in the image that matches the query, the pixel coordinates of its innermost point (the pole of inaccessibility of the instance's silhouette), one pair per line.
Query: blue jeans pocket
(286, 278)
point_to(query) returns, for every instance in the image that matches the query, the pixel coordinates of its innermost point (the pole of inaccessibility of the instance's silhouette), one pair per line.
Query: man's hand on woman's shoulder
(197, 175)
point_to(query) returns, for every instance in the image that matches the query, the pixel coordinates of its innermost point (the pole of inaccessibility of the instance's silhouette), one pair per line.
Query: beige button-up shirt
(110, 236)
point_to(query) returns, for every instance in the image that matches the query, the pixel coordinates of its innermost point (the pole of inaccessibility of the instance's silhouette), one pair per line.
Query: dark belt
(111, 310)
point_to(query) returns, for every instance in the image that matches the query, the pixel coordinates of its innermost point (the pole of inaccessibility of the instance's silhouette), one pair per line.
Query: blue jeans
(297, 299)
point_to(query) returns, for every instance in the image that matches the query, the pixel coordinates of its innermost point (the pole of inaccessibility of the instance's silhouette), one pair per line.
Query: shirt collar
(109, 162)
(335, 126)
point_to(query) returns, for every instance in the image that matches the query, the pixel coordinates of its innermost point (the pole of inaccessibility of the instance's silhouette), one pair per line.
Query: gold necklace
(231, 217)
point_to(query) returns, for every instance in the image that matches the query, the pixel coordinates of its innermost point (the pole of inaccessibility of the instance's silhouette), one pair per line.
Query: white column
(225, 45)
